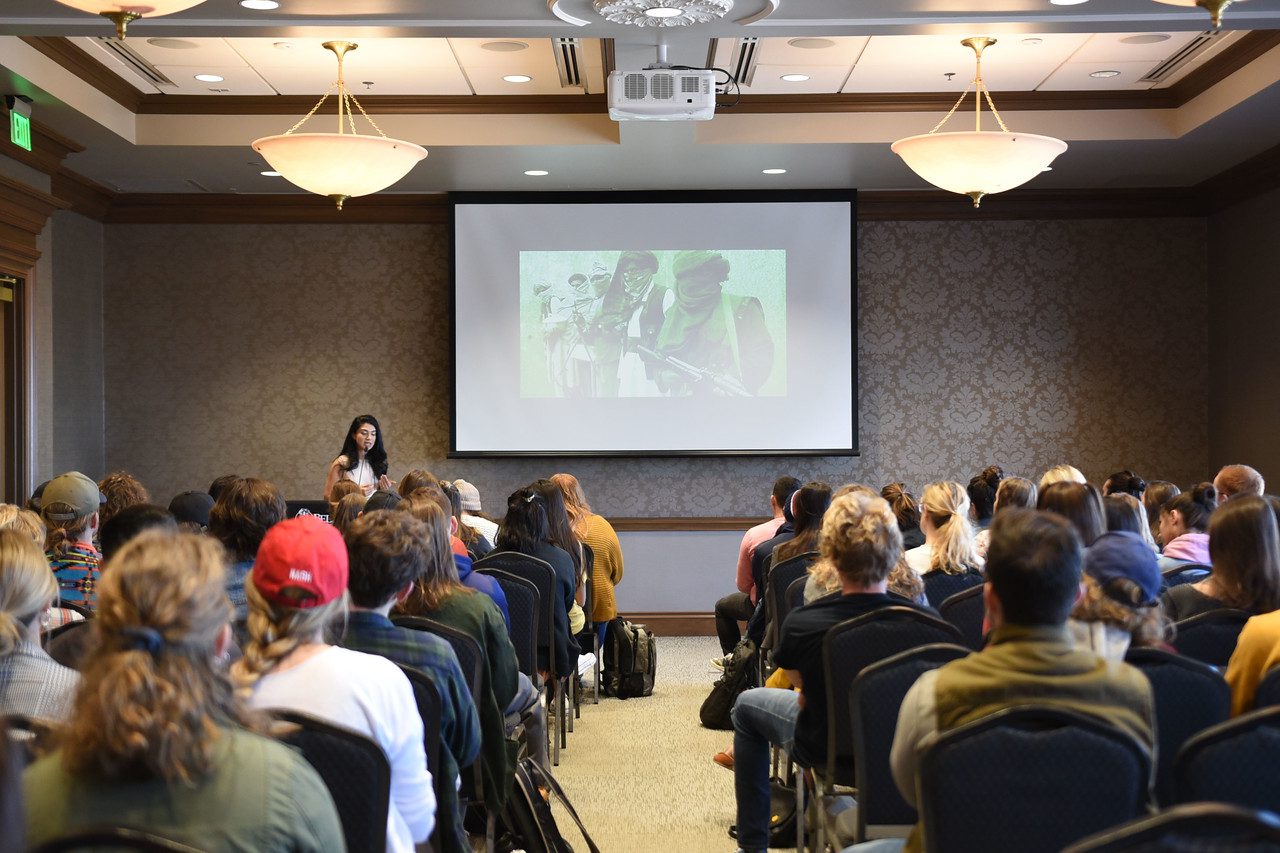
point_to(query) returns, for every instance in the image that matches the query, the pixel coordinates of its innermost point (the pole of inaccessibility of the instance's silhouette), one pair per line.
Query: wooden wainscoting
(676, 624)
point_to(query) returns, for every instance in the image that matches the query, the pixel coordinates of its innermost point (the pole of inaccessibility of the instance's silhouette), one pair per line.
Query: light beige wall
(248, 349)
(1244, 315)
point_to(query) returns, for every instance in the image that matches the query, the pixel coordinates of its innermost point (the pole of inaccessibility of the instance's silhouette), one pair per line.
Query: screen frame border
(643, 197)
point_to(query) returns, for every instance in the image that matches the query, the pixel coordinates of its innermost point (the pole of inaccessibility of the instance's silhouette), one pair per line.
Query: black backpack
(740, 673)
(528, 815)
(630, 660)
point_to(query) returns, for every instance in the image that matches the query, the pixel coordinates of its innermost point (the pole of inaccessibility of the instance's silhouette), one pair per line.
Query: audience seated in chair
(1257, 653)
(69, 509)
(416, 504)
(1184, 526)
(1120, 606)
(1244, 546)
(860, 537)
(246, 508)
(1012, 493)
(387, 552)
(31, 683)
(738, 606)
(1033, 579)
(1237, 481)
(297, 588)
(948, 536)
(158, 740)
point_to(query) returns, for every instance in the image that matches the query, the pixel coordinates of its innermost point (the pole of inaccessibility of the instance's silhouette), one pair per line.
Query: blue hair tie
(144, 639)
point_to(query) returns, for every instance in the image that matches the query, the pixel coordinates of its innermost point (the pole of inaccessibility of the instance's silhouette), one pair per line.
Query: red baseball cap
(301, 563)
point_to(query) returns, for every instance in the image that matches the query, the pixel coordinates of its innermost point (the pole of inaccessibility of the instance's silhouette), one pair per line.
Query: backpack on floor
(739, 674)
(528, 816)
(630, 660)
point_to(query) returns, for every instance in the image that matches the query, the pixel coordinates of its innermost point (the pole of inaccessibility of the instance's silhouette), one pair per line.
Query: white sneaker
(718, 663)
(586, 662)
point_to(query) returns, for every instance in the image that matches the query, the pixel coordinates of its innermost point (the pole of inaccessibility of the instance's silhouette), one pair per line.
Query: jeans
(730, 610)
(762, 716)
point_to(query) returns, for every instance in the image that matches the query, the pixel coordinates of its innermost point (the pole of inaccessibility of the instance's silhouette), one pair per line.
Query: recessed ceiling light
(283, 45)
(773, 171)
(1103, 75)
(517, 78)
(172, 44)
(1146, 38)
(1068, 2)
(209, 78)
(536, 173)
(1047, 169)
(1033, 41)
(795, 78)
(269, 174)
(811, 44)
(663, 12)
(260, 5)
(504, 46)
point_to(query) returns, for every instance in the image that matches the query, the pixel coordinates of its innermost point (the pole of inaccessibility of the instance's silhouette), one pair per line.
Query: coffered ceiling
(1184, 103)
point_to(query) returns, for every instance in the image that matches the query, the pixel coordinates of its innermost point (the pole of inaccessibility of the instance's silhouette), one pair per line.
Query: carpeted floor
(639, 771)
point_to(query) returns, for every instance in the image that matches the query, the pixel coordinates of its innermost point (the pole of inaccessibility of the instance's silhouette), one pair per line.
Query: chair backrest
(543, 577)
(1233, 762)
(1220, 827)
(778, 578)
(795, 595)
(855, 644)
(114, 838)
(1210, 637)
(353, 768)
(524, 608)
(466, 647)
(69, 644)
(588, 573)
(939, 586)
(875, 698)
(1029, 778)
(1190, 696)
(967, 611)
(1185, 573)
(429, 703)
(1268, 692)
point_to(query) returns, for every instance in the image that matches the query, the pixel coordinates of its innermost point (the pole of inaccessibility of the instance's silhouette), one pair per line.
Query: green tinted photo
(653, 323)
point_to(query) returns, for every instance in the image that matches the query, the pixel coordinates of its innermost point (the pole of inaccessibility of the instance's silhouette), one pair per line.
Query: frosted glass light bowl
(978, 163)
(339, 165)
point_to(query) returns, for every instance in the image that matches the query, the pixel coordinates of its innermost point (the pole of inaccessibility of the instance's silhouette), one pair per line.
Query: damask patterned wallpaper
(248, 349)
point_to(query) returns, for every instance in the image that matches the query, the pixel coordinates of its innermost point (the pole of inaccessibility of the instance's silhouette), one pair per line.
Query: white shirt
(361, 475)
(918, 558)
(486, 528)
(370, 695)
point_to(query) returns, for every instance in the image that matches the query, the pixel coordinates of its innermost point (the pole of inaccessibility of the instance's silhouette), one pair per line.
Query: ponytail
(27, 587)
(953, 549)
(274, 632)
(1195, 505)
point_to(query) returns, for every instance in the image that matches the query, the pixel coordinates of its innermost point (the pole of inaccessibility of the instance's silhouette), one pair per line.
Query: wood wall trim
(1236, 56)
(676, 624)
(709, 523)
(48, 149)
(23, 214)
(297, 208)
(86, 197)
(76, 60)
(1155, 202)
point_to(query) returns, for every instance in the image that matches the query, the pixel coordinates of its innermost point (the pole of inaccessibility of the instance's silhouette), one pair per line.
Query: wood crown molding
(1248, 48)
(278, 209)
(23, 214)
(1253, 177)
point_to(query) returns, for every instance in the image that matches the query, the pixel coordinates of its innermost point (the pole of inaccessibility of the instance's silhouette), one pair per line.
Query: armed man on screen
(631, 314)
(711, 342)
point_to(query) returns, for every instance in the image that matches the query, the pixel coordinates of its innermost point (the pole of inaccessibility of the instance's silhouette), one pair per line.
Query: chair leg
(595, 647)
(573, 700)
(490, 831)
(563, 701)
(800, 809)
(553, 739)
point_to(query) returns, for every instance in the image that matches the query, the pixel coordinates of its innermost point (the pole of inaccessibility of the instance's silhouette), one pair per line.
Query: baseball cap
(1121, 554)
(382, 499)
(193, 507)
(468, 495)
(75, 490)
(301, 563)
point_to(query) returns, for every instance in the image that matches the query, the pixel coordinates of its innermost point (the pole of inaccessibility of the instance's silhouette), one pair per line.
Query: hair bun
(1205, 495)
(893, 491)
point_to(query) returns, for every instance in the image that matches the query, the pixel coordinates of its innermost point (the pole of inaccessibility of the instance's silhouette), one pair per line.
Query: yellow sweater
(608, 567)
(1257, 651)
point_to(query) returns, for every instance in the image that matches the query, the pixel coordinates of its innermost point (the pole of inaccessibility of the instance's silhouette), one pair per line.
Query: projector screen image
(603, 324)
(643, 323)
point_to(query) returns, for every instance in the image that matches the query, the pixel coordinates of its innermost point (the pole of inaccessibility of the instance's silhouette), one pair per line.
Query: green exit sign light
(20, 130)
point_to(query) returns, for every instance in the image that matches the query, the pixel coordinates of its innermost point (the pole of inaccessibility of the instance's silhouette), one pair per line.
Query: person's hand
(367, 489)
(385, 482)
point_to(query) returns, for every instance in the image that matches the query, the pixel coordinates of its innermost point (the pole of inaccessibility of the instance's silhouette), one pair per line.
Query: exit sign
(20, 130)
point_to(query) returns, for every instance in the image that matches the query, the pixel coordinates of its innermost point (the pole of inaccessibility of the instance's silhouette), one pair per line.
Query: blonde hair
(860, 537)
(1015, 493)
(275, 631)
(575, 502)
(1147, 626)
(947, 505)
(27, 587)
(63, 535)
(18, 518)
(348, 510)
(439, 578)
(150, 703)
(1061, 474)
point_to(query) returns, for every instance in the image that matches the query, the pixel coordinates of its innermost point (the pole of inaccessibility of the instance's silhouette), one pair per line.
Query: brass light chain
(977, 45)
(345, 98)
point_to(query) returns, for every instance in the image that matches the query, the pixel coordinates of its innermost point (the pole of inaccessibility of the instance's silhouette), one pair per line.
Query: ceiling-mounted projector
(662, 94)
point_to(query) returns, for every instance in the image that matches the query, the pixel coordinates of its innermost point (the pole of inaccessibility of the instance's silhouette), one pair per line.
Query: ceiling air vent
(566, 51)
(744, 60)
(1179, 60)
(134, 60)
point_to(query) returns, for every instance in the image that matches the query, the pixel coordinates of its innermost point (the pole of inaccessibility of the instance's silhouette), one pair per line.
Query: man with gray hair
(1236, 481)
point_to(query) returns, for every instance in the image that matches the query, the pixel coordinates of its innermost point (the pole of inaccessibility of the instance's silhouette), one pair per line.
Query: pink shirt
(753, 537)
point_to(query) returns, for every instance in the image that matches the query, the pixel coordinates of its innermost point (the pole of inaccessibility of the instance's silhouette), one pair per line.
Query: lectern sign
(20, 130)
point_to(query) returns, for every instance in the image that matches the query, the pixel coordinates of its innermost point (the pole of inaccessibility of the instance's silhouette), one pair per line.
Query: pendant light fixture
(1215, 8)
(121, 13)
(978, 163)
(339, 165)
